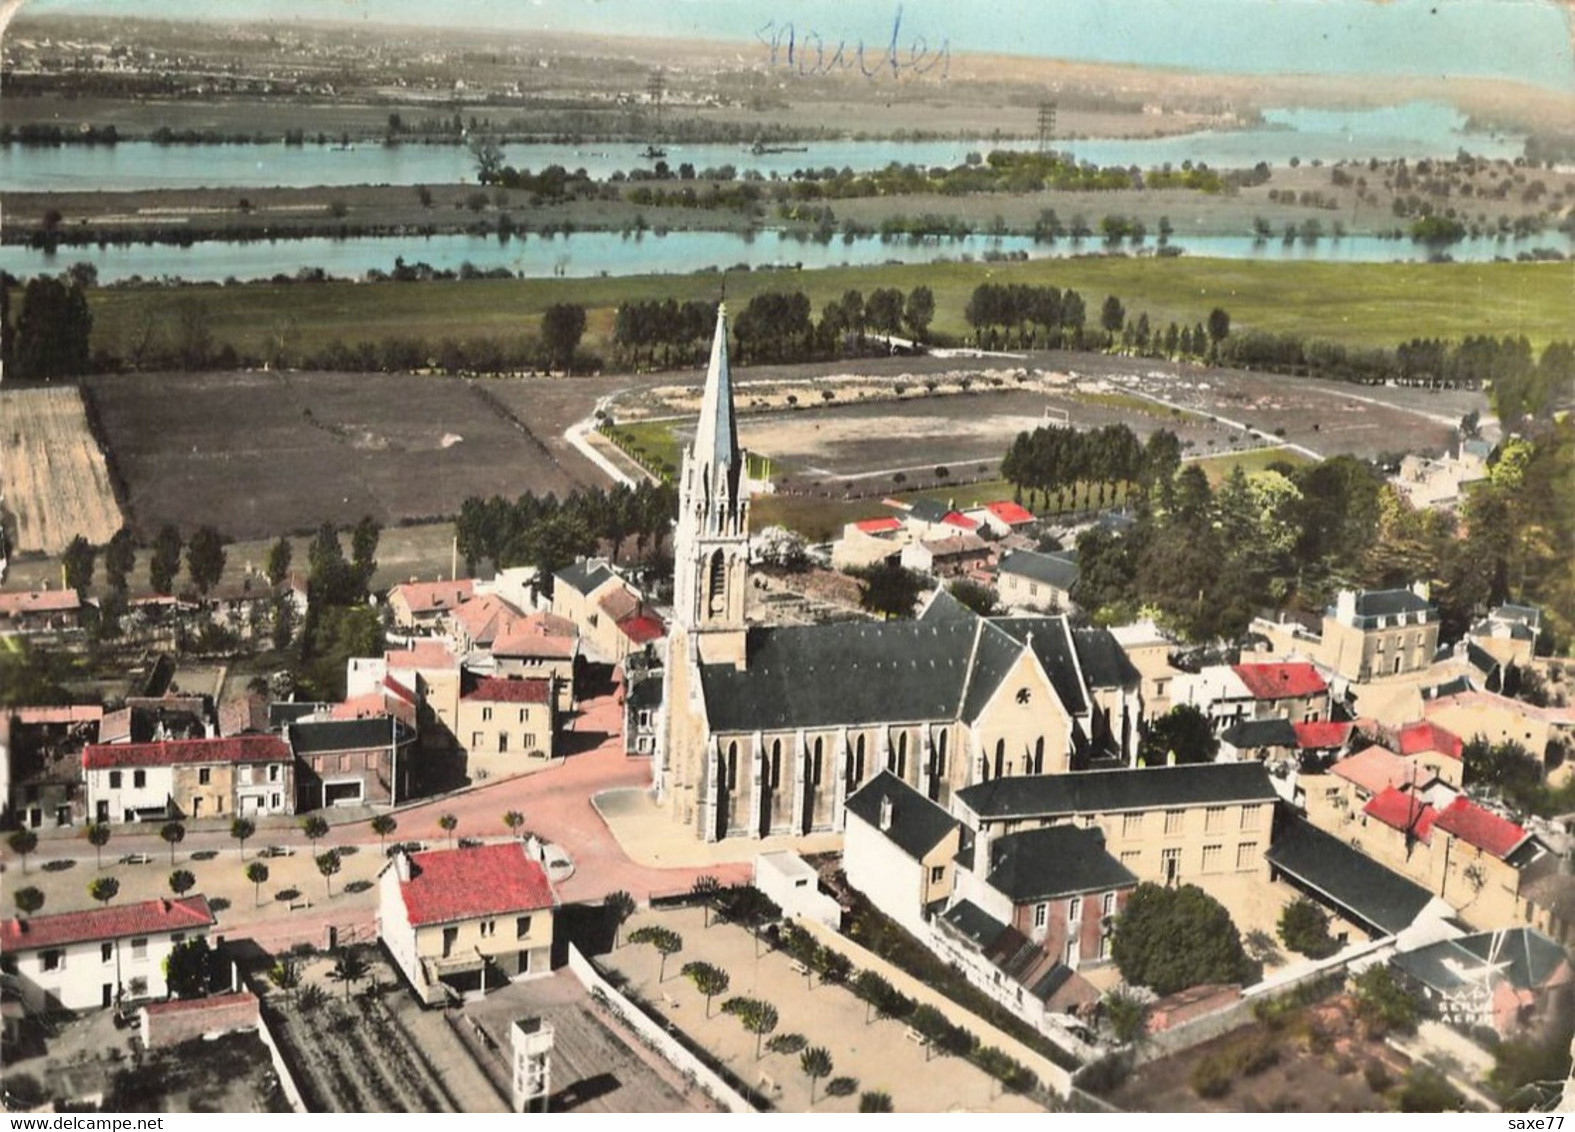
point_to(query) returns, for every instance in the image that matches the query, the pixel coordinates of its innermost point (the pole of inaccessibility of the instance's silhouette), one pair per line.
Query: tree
(241, 829)
(186, 968)
(1182, 735)
(53, 330)
(664, 940)
(816, 1063)
(28, 900)
(1304, 928)
(835, 967)
(348, 968)
(120, 558)
(205, 558)
(1127, 1014)
(920, 311)
(562, 324)
(173, 834)
(755, 1015)
(1112, 316)
(277, 564)
(104, 889)
(447, 824)
(875, 1102)
(383, 825)
(708, 979)
(363, 549)
(22, 843)
(515, 821)
(875, 991)
(889, 590)
(98, 837)
(620, 906)
(1219, 326)
(315, 828)
(285, 973)
(182, 881)
(488, 155)
(164, 563)
(1382, 1004)
(257, 873)
(311, 999)
(328, 865)
(1174, 938)
(705, 889)
(77, 563)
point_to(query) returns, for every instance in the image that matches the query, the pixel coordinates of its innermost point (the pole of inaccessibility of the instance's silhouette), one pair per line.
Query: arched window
(858, 760)
(732, 765)
(716, 586)
(899, 762)
(1039, 755)
(1000, 757)
(940, 754)
(814, 766)
(776, 764)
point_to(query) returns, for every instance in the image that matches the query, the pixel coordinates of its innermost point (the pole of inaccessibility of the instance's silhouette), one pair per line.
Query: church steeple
(711, 545)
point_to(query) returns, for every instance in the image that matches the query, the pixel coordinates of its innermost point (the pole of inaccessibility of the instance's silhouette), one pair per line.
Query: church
(767, 730)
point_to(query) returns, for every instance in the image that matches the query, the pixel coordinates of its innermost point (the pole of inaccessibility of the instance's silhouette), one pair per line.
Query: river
(589, 254)
(1413, 130)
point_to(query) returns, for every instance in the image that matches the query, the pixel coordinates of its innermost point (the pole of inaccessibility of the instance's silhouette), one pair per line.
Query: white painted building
(91, 959)
(899, 849)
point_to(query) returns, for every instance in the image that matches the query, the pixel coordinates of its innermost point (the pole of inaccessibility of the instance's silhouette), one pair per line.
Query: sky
(1527, 40)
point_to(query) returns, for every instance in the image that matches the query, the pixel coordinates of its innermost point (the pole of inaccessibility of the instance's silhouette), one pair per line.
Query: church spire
(716, 439)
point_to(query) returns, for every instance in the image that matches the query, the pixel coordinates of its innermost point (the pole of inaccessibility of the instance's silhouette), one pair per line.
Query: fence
(658, 1039)
(292, 1091)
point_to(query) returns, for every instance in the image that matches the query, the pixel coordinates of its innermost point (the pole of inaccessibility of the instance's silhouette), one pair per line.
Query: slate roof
(1113, 791)
(461, 884)
(928, 510)
(1389, 603)
(282, 714)
(645, 693)
(1347, 877)
(150, 917)
(584, 576)
(917, 824)
(1053, 644)
(341, 735)
(973, 923)
(1058, 860)
(1104, 662)
(1525, 957)
(1051, 569)
(1252, 734)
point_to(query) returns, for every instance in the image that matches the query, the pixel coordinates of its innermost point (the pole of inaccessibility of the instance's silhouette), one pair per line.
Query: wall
(170, 1023)
(656, 1037)
(197, 799)
(159, 784)
(524, 732)
(889, 877)
(78, 982)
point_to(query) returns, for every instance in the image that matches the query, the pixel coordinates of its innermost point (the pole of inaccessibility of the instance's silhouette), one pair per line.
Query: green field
(1357, 304)
(1217, 468)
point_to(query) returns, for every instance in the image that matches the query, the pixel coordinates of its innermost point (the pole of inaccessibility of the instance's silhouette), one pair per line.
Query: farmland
(53, 478)
(260, 454)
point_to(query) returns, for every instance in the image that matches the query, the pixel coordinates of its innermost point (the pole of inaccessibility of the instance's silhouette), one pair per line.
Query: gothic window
(732, 766)
(716, 587)
(775, 779)
(814, 769)
(1039, 755)
(858, 760)
(940, 755)
(1000, 757)
(899, 765)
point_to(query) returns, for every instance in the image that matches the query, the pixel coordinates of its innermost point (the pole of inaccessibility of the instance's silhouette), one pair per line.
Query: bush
(1376, 1074)
(1174, 938)
(1212, 1078)
(1425, 1090)
(1304, 928)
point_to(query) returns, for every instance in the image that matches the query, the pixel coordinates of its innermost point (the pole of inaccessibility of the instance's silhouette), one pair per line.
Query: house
(462, 920)
(243, 775)
(1055, 885)
(1149, 652)
(1381, 901)
(1428, 483)
(39, 611)
(507, 726)
(932, 519)
(43, 763)
(641, 712)
(1262, 739)
(1001, 518)
(98, 957)
(1293, 691)
(869, 542)
(1499, 719)
(899, 849)
(1509, 634)
(1504, 981)
(541, 647)
(956, 555)
(481, 621)
(1436, 749)
(1369, 634)
(612, 616)
(351, 762)
(424, 605)
(1027, 579)
(1164, 824)
(1338, 795)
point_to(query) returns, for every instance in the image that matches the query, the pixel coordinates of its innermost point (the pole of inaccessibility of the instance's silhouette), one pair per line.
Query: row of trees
(550, 533)
(1051, 464)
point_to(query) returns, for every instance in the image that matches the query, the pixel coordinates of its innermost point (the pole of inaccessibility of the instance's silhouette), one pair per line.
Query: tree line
(1053, 463)
(550, 533)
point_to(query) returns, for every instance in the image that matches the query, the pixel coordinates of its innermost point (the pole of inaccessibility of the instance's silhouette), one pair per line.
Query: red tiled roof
(1475, 826)
(1376, 770)
(876, 526)
(151, 917)
(643, 628)
(39, 601)
(189, 1005)
(172, 752)
(959, 520)
(1281, 681)
(70, 713)
(487, 618)
(1400, 810)
(422, 654)
(1315, 736)
(398, 690)
(1414, 738)
(619, 603)
(461, 884)
(540, 635)
(494, 689)
(1009, 513)
(430, 597)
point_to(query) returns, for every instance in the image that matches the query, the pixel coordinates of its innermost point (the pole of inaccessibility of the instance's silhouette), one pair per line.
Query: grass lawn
(1219, 468)
(1375, 304)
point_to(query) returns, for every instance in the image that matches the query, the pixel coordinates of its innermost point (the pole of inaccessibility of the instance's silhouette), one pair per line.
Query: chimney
(164, 905)
(885, 813)
(1423, 590)
(1345, 607)
(402, 865)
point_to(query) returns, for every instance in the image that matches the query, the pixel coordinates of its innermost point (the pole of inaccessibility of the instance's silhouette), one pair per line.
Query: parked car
(136, 859)
(277, 851)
